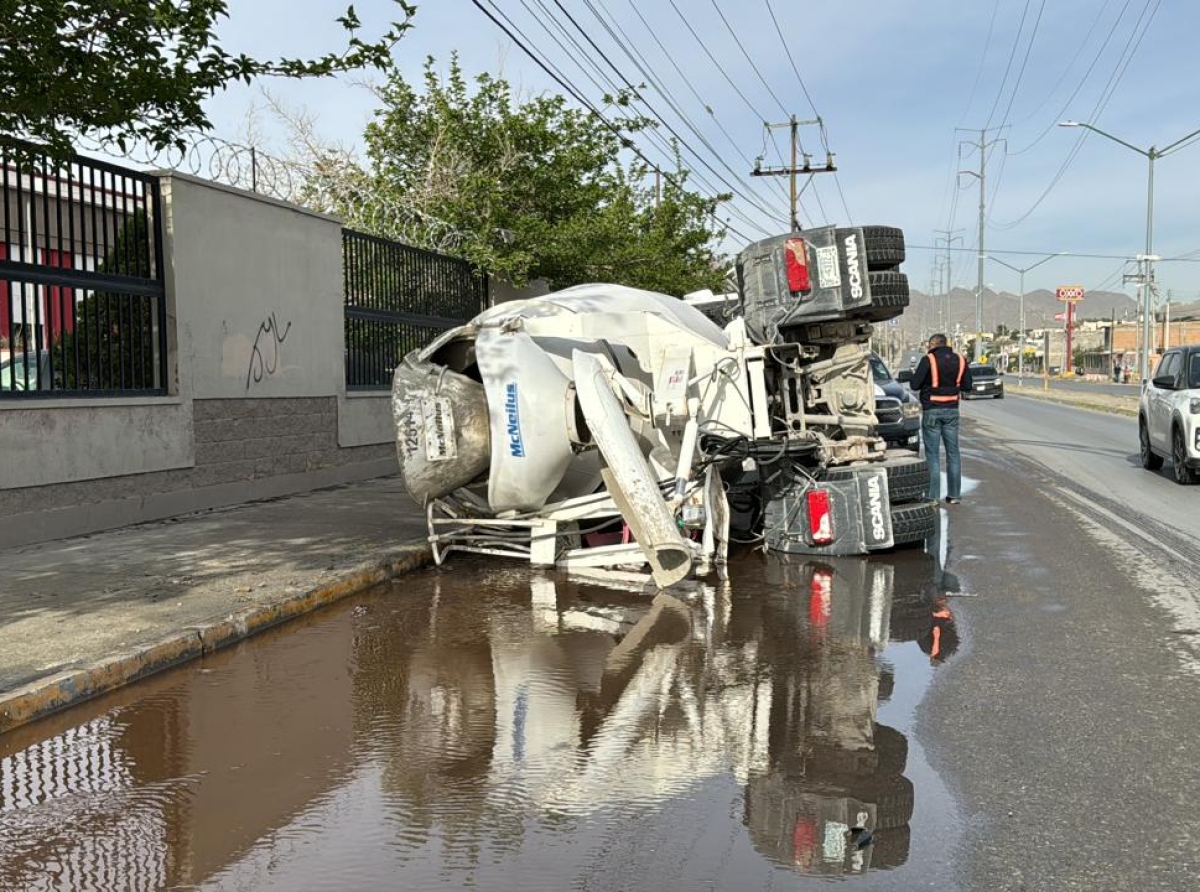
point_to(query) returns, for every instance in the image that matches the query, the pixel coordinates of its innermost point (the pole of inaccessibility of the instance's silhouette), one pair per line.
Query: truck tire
(889, 296)
(885, 247)
(913, 524)
(908, 477)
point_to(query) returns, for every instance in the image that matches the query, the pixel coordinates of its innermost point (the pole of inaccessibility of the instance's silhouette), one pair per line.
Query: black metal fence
(399, 298)
(82, 306)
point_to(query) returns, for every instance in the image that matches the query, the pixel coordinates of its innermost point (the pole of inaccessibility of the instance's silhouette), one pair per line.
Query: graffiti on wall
(264, 354)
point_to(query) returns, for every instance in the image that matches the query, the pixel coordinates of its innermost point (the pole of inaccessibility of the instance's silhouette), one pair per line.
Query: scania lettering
(875, 494)
(852, 262)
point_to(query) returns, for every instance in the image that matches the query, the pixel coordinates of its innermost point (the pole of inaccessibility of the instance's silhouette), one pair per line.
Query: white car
(1169, 415)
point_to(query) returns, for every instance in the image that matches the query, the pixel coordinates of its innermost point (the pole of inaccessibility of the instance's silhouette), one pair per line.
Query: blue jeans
(938, 426)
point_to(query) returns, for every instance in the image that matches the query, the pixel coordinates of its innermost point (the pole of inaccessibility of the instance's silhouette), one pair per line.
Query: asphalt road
(1066, 727)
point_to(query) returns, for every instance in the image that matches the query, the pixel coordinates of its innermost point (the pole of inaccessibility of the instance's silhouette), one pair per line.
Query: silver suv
(1169, 415)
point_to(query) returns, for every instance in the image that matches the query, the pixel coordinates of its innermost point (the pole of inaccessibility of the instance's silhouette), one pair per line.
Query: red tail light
(795, 253)
(820, 517)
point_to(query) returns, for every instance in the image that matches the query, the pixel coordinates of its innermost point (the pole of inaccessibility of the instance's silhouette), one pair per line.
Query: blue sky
(892, 80)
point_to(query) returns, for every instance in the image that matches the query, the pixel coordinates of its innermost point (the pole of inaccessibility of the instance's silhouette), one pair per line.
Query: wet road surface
(499, 728)
(486, 726)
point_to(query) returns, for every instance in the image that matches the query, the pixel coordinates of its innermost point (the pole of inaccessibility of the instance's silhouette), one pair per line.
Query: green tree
(113, 343)
(533, 187)
(125, 70)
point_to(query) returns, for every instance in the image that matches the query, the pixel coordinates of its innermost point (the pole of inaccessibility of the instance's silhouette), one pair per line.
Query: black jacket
(947, 363)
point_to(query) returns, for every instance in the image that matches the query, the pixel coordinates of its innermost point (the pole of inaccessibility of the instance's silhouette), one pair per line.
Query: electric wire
(565, 83)
(987, 44)
(687, 23)
(1024, 63)
(1079, 86)
(737, 40)
(1191, 257)
(1127, 54)
(816, 114)
(1007, 68)
(1079, 48)
(666, 147)
(631, 86)
(687, 81)
(652, 135)
(609, 22)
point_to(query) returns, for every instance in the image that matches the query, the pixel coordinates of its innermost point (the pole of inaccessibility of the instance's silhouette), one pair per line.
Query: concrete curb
(57, 692)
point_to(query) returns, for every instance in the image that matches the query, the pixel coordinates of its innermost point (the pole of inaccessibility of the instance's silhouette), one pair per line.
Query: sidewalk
(81, 616)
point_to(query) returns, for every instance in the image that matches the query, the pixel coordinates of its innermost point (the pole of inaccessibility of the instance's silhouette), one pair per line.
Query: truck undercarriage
(606, 428)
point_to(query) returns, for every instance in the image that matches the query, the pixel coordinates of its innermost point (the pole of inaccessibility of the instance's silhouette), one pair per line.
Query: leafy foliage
(129, 70)
(112, 344)
(536, 188)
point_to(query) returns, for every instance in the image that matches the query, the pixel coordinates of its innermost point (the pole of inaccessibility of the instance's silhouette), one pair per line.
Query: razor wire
(334, 184)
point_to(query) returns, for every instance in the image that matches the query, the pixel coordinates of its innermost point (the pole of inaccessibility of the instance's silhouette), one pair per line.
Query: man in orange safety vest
(941, 376)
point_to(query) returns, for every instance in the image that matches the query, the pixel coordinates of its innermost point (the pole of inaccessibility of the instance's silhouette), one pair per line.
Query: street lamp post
(1147, 276)
(1022, 272)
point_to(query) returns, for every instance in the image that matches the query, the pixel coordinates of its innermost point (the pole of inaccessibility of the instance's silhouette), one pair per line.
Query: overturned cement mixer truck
(604, 428)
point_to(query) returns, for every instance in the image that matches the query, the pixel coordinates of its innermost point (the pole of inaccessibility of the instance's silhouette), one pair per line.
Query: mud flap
(862, 519)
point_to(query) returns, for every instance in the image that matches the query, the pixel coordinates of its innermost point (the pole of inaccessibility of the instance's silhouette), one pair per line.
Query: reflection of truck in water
(601, 406)
(589, 706)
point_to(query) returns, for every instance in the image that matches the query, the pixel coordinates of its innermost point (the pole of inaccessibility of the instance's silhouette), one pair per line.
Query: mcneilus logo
(512, 412)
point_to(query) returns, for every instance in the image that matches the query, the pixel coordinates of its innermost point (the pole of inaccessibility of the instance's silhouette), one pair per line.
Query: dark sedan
(986, 382)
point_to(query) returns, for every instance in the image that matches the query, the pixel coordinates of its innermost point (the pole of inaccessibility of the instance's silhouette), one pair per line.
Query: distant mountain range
(924, 313)
(1004, 308)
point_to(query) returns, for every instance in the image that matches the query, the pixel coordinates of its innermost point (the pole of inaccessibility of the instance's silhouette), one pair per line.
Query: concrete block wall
(257, 406)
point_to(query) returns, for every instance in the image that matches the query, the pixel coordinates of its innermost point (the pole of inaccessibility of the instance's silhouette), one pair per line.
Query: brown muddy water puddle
(487, 726)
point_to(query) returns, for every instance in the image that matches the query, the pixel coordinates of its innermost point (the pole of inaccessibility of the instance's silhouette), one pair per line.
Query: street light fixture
(1148, 259)
(1022, 272)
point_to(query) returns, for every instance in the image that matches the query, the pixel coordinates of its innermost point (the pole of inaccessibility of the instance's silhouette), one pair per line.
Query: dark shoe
(950, 501)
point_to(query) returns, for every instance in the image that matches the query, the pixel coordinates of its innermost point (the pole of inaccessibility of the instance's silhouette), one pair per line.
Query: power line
(630, 85)
(1127, 54)
(1083, 80)
(738, 41)
(1182, 258)
(791, 59)
(663, 145)
(1079, 48)
(1007, 68)
(687, 23)
(623, 42)
(563, 82)
(683, 77)
(987, 45)
(1024, 62)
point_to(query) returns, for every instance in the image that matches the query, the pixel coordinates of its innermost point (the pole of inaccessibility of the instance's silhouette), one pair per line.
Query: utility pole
(1147, 260)
(947, 236)
(983, 145)
(794, 169)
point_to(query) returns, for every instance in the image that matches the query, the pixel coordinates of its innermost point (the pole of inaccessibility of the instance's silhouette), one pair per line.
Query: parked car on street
(1169, 415)
(985, 382)
(898, 409)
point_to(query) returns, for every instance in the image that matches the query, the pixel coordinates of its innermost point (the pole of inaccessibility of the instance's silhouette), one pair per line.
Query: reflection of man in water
(942, 638)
